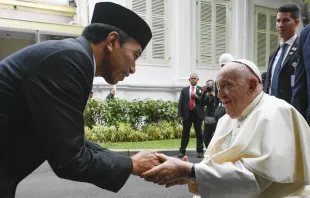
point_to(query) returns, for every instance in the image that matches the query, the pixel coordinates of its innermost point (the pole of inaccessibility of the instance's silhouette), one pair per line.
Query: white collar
(251, 106)
(94, 65)
(291, 40)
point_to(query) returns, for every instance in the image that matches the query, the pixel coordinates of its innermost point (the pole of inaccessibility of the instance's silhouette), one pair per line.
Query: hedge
(125, 133)
(137, 113)
(139, 120)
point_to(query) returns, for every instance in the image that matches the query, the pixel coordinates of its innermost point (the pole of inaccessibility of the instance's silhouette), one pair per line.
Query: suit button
(281, 90)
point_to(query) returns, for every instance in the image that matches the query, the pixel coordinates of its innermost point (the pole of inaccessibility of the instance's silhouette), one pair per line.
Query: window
(155, 13)
(266, 36)
(213, 30)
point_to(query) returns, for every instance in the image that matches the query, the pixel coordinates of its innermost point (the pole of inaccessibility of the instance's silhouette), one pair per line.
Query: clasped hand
(170, 172)
(163, 170)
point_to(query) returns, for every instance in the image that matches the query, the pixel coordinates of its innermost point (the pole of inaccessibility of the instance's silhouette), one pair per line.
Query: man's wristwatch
(192, 176)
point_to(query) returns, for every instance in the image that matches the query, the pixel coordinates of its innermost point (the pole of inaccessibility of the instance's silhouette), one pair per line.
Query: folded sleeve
(56, 92)
(219, 180)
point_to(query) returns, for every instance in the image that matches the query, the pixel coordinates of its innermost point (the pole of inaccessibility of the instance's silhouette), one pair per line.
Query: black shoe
(199, 155)
(181, 155)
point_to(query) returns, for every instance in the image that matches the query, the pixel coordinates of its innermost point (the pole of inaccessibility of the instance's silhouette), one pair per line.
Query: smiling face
(115, 62)
(236, 90)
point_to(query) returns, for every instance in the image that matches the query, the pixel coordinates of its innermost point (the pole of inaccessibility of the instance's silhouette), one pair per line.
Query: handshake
(163, 170)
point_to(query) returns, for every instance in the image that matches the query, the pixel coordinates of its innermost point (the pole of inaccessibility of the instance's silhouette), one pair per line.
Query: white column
(239, 40)
(181, 40)
(82, 12)
(37, 36)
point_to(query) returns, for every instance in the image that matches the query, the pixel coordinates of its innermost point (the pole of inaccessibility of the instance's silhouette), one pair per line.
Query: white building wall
(165, 81)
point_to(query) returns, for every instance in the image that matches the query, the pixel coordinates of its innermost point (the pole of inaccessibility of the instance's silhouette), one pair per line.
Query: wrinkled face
(119, 61)
(286, 25)
(193, 79)
(233, 92)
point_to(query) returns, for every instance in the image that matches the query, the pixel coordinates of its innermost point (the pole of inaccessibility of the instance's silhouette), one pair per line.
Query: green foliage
(137, 113)
(125, 133)
(125, 121)
(154, 144)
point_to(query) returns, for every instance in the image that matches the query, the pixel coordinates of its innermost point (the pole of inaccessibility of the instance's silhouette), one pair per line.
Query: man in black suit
(280, 76)
(191, 112)
(208, 99)
(43, 92)
(301, 91)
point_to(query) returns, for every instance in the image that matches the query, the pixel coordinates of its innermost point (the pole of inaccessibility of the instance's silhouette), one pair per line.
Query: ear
(297, 21)
(253, 84)
(112, 41)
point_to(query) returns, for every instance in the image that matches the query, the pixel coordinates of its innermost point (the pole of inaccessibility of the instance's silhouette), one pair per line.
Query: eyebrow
(225, 82)
(139, 52)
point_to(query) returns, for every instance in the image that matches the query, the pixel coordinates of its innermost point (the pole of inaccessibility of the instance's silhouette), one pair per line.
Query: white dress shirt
(94, 65)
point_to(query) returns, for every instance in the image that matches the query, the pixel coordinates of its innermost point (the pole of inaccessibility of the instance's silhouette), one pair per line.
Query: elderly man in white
(260, 147)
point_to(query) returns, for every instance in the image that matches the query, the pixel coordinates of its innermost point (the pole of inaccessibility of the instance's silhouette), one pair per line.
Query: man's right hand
(144, 161)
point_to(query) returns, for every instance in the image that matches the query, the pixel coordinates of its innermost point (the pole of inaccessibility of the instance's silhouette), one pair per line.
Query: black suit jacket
(208, 101)
(43, 92)
(284, 84)
(301, 91)
(183, 108)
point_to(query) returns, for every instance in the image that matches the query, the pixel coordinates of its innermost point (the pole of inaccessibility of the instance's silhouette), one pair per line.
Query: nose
(133, 69)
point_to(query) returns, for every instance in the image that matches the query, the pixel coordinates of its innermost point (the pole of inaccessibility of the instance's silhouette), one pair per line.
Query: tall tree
(304, 11)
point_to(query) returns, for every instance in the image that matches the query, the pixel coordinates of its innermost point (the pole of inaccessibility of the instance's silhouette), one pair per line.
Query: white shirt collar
(291, 40)
(94, 65)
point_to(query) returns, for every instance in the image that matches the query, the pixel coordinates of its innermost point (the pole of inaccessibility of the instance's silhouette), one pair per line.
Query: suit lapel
(187, 93)
(292, 51)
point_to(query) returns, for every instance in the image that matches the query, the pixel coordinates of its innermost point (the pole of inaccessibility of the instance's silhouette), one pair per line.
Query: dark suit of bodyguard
(43, 91)
(301, 91)
(191, 112)
(280, 77)
(285, 84)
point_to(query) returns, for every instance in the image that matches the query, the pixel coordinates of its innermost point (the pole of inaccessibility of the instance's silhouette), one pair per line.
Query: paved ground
(43, 183)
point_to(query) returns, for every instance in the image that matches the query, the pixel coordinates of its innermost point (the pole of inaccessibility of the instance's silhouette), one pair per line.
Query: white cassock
(265, 153)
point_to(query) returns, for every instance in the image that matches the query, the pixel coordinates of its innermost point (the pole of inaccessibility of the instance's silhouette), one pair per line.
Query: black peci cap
(123, 18)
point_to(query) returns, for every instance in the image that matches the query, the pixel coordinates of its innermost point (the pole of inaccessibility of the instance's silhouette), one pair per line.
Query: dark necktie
(275, 78)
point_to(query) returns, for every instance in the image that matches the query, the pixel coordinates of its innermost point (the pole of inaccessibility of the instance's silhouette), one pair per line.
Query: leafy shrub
(137, 113)
(140, 120)
(125, 133)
